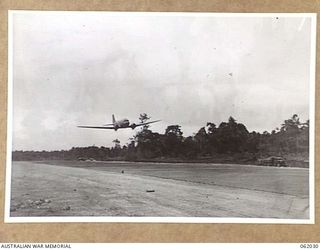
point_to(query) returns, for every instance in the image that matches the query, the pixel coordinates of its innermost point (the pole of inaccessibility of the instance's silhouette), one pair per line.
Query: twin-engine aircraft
(124, 123)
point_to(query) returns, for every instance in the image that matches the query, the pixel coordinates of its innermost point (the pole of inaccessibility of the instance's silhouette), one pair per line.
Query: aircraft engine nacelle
(133, 125)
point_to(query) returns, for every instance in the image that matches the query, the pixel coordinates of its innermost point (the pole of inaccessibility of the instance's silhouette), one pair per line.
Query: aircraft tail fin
(113, 119)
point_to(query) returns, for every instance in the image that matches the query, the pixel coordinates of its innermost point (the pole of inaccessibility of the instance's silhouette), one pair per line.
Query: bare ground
(150, 189)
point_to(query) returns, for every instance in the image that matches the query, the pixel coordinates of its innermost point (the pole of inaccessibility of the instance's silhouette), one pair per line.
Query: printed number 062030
(309, 245)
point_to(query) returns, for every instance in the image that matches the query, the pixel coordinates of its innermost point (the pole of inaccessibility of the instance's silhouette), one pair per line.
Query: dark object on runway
(273, 161)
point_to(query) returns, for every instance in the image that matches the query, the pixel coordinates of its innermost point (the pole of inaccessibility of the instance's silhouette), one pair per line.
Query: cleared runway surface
(153, 189)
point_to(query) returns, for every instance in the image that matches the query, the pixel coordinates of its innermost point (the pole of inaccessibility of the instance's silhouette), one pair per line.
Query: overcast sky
(77, 68)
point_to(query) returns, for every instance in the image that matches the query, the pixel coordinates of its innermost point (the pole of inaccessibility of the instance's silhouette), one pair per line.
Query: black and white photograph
(160, 117)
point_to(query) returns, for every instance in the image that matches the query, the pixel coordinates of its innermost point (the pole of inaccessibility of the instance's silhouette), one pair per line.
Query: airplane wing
(97, 127)
(146, 123)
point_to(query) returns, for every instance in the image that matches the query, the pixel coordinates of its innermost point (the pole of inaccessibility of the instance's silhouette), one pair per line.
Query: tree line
(228, 139)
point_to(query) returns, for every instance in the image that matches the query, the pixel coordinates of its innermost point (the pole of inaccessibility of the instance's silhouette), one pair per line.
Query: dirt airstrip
(153, 189)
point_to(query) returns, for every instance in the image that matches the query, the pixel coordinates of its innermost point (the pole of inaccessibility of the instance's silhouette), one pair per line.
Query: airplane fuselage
(124, 123)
